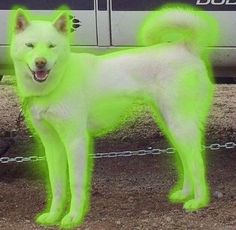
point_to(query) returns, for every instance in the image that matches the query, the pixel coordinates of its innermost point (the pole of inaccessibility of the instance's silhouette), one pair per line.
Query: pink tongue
(40, 74)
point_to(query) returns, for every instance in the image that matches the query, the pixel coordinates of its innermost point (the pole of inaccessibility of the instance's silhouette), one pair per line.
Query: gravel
(127, 193)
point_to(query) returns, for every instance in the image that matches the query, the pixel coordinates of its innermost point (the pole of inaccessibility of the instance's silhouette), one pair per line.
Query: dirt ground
(128, 193)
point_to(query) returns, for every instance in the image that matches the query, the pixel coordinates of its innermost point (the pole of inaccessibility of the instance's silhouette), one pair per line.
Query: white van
(102, 24)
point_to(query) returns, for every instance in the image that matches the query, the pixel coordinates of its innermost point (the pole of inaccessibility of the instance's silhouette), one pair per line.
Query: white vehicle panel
(125, 26)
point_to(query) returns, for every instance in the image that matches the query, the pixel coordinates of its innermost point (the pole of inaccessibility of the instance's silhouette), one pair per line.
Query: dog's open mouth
(40, 75)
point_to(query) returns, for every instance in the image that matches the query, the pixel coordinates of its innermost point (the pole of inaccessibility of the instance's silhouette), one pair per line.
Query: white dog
(66, 95)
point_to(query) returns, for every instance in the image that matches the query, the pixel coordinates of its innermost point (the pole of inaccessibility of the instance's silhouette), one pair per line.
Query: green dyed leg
(57, 167)
(184, 188)
(197, 170)
(188, 144)
(182, 114)
(79, 177)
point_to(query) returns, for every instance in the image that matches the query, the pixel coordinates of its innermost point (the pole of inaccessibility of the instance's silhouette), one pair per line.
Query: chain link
(149, 151)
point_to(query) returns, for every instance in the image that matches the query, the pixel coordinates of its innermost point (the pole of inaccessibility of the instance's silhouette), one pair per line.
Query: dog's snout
(40, 62)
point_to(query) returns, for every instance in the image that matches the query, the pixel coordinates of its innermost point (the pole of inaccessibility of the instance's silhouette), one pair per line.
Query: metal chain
(149, 151)
(5, 160)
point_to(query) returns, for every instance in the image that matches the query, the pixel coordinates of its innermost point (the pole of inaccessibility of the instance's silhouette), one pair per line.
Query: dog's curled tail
(181, 23)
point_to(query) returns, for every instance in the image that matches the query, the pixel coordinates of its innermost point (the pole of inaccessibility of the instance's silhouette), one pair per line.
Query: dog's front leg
(57, 168)
(80, 167)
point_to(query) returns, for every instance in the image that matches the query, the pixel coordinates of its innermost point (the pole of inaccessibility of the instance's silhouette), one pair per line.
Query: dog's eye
(51, 46)
(30, 45)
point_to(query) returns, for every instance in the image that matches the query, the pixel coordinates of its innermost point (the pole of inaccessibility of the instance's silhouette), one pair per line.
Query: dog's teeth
(41, 75)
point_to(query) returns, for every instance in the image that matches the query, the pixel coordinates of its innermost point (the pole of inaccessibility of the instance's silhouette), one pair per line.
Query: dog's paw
(195, 204)
(179, 196)
(48, 218)
(72, 220)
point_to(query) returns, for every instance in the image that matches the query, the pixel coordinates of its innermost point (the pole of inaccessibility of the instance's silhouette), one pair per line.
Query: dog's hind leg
(181, 113)
(186, 136)
(194, 191)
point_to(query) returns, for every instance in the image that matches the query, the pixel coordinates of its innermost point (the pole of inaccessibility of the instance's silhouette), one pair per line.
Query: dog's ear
(21, 21)
(61, 23)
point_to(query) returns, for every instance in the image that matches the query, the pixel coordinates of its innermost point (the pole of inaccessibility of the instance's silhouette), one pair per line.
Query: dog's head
(39, 48)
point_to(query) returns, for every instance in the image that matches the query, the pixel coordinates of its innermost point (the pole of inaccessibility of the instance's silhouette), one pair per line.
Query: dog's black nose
(40, 62)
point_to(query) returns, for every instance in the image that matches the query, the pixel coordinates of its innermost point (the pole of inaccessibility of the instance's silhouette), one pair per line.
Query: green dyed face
(37, 56)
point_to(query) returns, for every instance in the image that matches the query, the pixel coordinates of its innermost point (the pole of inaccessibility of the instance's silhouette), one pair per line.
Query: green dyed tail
(179, 23)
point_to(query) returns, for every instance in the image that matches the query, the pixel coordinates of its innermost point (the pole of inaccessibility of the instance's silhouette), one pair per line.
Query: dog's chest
(53, 112)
